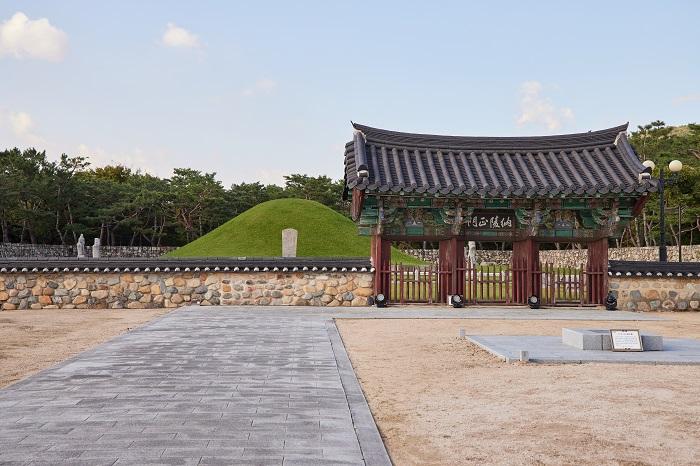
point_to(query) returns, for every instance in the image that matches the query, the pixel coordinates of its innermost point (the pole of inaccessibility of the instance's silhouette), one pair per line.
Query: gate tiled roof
(597, 163)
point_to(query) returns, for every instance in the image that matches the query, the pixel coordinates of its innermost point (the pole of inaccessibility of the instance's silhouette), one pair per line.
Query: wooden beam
(358, 199)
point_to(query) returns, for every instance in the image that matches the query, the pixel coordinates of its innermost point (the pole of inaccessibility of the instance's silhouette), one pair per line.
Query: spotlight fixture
(456, 301)
(534, 302)
(380, 300)
(611, 302)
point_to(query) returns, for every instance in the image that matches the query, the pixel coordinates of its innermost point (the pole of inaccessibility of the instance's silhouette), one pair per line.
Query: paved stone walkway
(198, 386)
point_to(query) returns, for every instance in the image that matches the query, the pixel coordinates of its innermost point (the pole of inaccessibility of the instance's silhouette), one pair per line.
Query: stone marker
(462, 333)
(289, 242)
(81, 246)
(524, 356)
(599, 339)
(96, 249)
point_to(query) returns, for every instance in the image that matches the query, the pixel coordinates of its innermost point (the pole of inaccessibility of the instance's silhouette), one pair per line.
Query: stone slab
(548, 349)
(599, 339)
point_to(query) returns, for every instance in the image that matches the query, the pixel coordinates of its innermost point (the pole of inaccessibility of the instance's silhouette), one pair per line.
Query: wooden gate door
(563, 285)
(488, 284)
(414, 284)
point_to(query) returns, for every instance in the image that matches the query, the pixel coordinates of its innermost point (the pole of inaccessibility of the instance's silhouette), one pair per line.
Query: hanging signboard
(504, 220)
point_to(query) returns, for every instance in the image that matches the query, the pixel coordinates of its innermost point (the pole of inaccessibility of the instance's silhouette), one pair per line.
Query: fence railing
(506, 284)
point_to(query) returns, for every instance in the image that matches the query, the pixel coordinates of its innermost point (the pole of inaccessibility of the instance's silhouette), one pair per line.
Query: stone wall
(70, 250)
(653, 293)
(85, 290)
(573, 257)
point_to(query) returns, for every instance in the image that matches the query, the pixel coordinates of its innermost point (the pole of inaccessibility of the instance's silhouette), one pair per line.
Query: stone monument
(289, 242)
(81, 247)
(96, 249)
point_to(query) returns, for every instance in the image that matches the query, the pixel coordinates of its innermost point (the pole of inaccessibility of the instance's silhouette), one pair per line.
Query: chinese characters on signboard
(490, 221)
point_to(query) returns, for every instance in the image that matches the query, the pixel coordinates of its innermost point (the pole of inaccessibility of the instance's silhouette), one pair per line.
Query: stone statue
(472, 252)
(96, 249)
(81, 247)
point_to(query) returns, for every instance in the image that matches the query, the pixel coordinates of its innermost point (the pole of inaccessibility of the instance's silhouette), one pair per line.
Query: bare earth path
(31, 340)
(439, 400)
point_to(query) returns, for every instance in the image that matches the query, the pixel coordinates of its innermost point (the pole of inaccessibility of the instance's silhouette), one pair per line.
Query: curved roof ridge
(592, 138)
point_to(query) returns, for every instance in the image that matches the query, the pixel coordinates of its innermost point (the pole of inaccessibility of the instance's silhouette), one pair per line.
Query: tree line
(661, 143)
(53, 202)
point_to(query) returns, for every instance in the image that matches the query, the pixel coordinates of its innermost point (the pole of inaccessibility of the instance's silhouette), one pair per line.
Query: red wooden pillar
(446, 265)
(526, 270)
(452, 268)
(597, 271)
(459, 275)
(381, 260)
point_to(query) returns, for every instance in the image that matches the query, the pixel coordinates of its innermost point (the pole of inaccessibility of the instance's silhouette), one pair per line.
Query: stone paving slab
(198, 386)
(548, 349)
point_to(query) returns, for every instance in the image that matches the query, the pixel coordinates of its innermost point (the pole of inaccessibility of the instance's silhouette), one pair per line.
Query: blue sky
(256, 90)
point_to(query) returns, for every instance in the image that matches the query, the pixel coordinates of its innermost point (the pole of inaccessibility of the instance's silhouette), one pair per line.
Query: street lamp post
(674, 166)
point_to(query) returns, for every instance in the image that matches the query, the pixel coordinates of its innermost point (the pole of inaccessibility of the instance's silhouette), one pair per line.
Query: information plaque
(625, 340)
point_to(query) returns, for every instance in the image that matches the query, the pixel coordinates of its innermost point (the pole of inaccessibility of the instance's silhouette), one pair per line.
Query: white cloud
(175, 36)
(261, 86)
(535, 109)
(684, 99)
(155, 161)
(21, 37)
(271, 176)
(21, 125)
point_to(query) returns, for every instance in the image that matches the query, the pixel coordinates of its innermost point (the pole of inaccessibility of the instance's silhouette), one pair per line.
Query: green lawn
(257, 232)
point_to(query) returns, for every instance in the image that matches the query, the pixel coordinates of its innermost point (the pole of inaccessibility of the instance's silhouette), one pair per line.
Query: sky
(257, 90)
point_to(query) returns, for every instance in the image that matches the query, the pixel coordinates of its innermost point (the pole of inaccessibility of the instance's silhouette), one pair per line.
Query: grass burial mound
(257, 232)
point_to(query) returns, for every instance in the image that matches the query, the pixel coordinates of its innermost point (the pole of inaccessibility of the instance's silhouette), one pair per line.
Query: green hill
(256, 232)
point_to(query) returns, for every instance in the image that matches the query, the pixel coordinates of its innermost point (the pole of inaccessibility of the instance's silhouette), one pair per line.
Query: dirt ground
(439, 400)
(31, 340)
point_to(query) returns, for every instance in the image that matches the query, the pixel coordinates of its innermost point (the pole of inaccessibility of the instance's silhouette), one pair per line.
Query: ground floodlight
(457, 301)
(611, 301)
(534, 302)
(380, 300)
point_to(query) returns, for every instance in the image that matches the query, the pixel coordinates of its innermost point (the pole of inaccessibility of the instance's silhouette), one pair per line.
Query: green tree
(661, 144)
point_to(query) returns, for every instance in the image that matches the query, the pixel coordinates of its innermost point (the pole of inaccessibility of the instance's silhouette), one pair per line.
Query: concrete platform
(546, 349)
